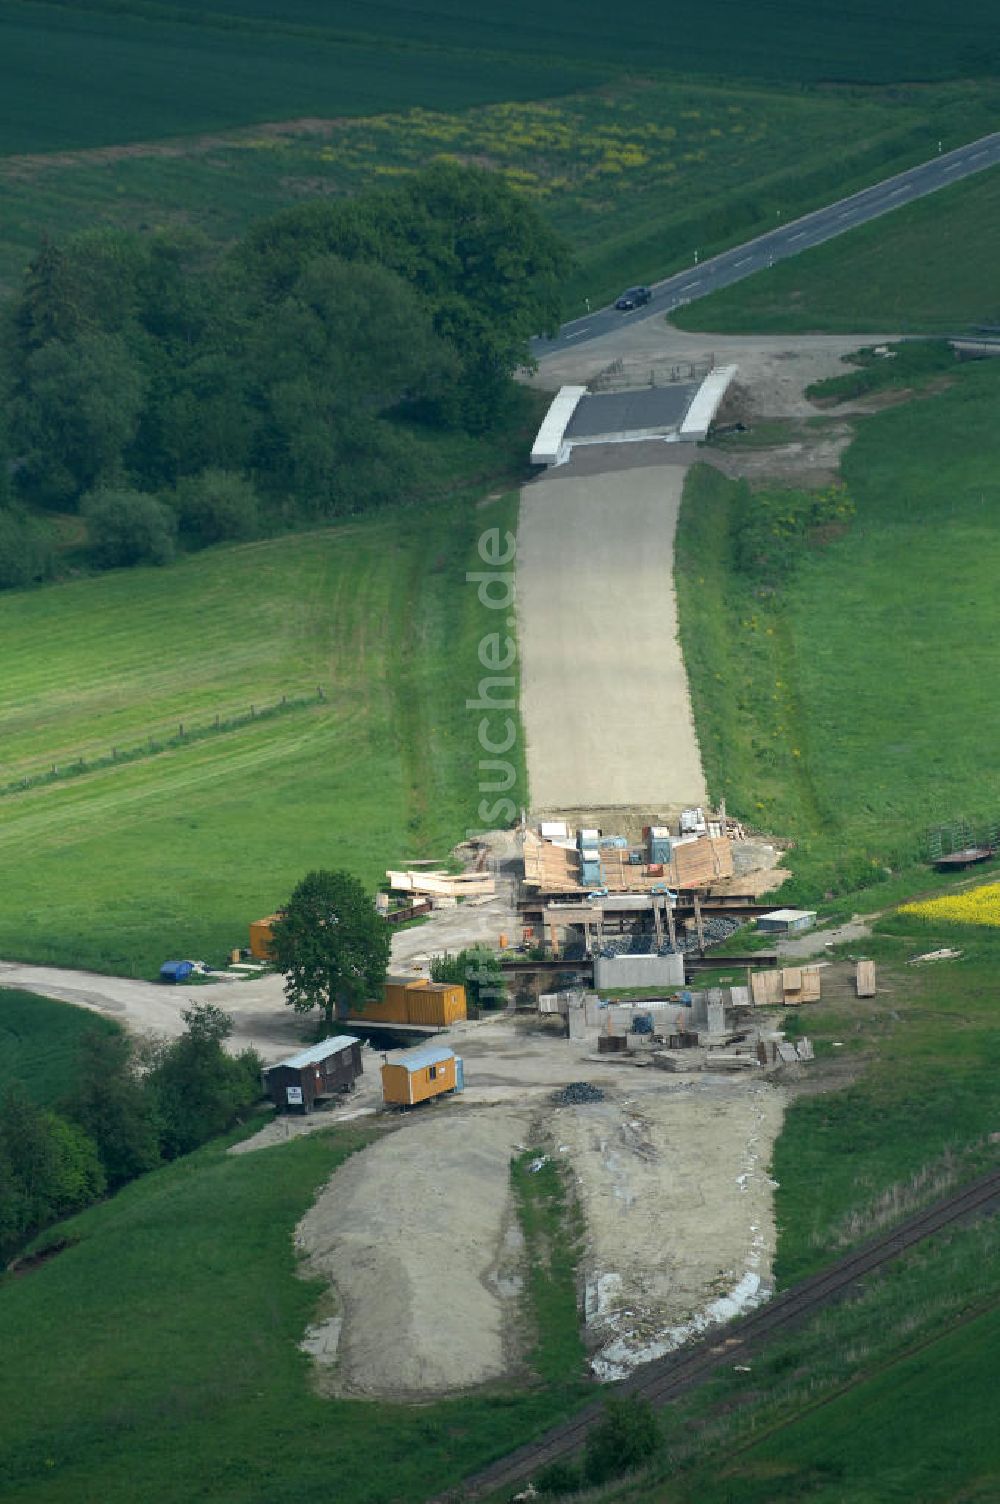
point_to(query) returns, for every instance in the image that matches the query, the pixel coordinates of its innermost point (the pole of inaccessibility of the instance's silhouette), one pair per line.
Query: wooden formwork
(556, 869)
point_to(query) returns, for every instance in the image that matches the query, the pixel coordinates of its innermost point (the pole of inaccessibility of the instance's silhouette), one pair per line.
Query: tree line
(129, 1110)
(177, 395)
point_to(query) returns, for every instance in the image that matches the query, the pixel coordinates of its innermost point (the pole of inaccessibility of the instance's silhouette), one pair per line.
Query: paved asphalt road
(788, 240)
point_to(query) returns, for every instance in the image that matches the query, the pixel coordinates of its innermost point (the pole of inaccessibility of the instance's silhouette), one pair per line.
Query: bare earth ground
(671, 1176)
(678, 1207)
(420, 1238)
(775, 368)
(604, 694)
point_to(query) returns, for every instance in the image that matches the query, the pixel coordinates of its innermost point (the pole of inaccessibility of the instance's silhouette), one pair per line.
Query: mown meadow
(178, 849)
(850, 705)
(39, 1040)
(184, 1368)
(917, 270)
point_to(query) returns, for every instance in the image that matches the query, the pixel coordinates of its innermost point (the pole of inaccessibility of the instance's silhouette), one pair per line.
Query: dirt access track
(604, 694)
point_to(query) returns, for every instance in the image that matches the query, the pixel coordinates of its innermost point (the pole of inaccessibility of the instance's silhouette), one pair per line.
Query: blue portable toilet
(459, 1073)
(175, 971)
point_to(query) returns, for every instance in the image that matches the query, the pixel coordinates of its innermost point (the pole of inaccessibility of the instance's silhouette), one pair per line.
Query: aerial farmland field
(639, 173)
(132, 73)
(859, 44)
(377, 614)
(213, 116)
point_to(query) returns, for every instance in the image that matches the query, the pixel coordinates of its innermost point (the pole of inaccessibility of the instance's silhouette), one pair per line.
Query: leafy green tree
(50, 1166)
(110, 1104)
(199, 1090)
(49, 306)
(14, 1209)
(31, 1153)
(492, 268)
(75, 415)
(627, 1438)
(127, 527)
(27, 553)
(478, 970)
(216, 506)
(474, 250)
(78, 1177)
(204, 415)
(331, 944)
(343, 345)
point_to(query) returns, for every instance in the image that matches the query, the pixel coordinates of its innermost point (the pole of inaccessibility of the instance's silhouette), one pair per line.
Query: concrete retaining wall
(548, 446)
(638, 971)
(706, 402)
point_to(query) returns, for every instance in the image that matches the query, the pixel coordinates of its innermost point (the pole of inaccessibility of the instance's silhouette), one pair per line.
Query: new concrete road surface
(604, 694)
(943, 169)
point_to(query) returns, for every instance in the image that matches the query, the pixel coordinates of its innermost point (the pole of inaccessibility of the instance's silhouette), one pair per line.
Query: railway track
(670, 1377)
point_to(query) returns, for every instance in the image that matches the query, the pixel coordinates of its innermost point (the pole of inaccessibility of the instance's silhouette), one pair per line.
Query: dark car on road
(633, 297)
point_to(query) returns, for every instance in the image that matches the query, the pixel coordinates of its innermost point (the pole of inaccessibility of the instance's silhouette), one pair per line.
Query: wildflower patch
(978, 906)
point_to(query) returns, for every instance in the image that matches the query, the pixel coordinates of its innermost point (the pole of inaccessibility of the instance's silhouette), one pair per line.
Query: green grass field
(633, 173)
(918, 1117)
(183, 1369)
(180, 850)
(117, 73)
(886, 1397)
(918, 1430)
(39, 1040)
(854, 709)
(916, 270)
(779, 40)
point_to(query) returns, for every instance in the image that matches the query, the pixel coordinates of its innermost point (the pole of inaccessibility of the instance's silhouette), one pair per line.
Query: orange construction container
(436, 1003)
(378, 1011)
(261, 937)
(395, 993)
(414, 1000)
(417, 1075)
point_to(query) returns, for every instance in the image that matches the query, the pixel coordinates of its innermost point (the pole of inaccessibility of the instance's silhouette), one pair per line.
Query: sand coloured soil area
(677, 1199)
(418, 1236)
(604, 693)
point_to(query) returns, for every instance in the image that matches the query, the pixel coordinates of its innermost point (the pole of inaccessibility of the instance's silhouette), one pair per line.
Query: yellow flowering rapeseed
(979, 906)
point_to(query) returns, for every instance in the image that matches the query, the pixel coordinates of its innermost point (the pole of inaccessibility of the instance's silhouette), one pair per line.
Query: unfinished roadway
(604, 693)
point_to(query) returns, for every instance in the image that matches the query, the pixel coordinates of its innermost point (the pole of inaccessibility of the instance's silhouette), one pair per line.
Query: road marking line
(690, 287)
(800, 236)
(576, 334)
(744, 261)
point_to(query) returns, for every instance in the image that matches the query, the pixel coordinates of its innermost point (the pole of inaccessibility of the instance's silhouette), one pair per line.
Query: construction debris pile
(716, 1029)
(576, 1093)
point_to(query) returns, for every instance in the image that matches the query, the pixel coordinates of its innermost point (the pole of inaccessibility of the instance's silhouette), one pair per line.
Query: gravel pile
(716, 930)
(577, 1092)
